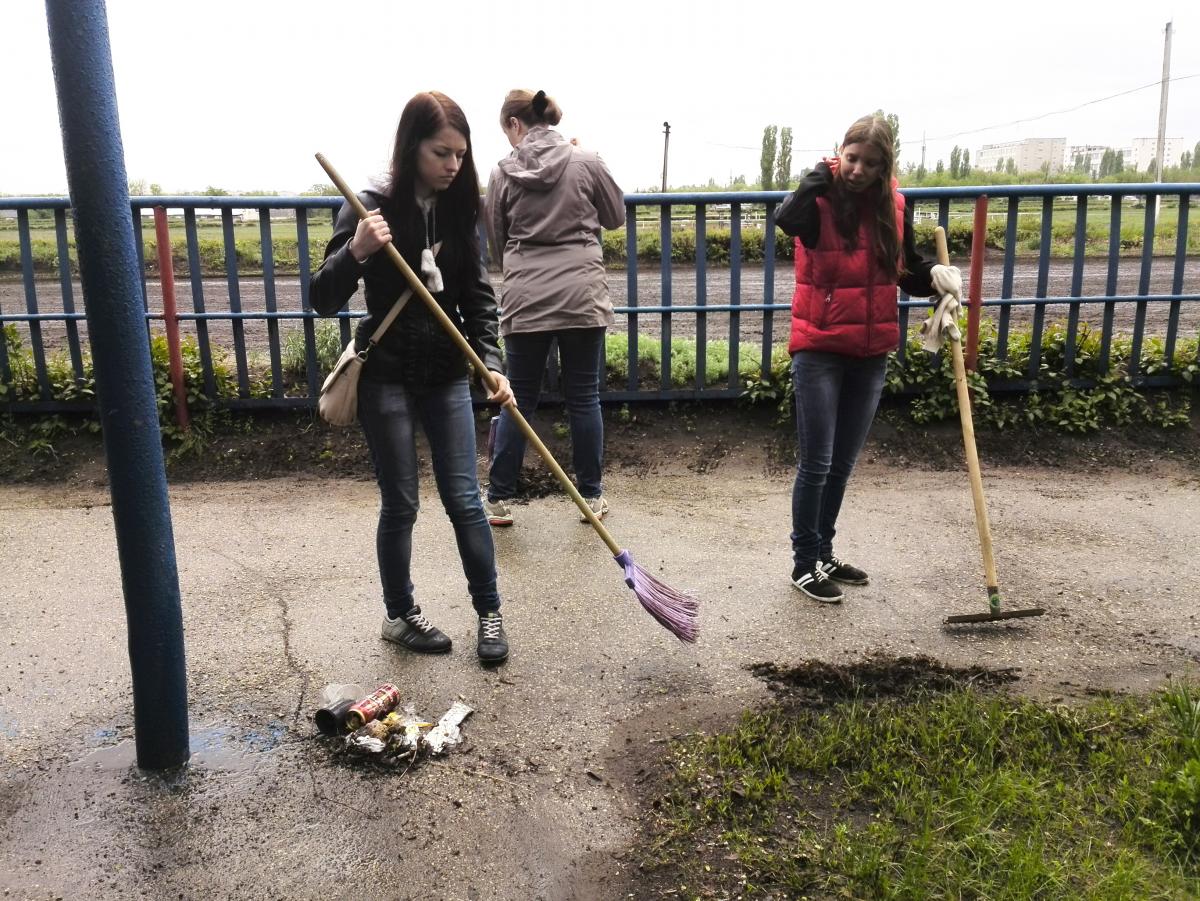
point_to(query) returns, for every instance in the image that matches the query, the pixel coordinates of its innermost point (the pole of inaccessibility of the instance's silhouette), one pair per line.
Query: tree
(964, 164)
(1010, 166)
(939, 168)
(1119, 163)
(1196, 154)
(1000, 164)
(1080, 163)
(155, 188)
(955, 153)
(1106, 163)
(137, 187)
(767, 162)
(213, 191)
(783, 164)
(921, 172)
(1185, 160)
(893, 122)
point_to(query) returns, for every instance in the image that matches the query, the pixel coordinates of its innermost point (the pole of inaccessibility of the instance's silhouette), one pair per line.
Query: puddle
(223, 748)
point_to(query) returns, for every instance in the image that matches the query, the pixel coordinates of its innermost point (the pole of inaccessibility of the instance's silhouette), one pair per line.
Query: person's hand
(370, 235)
(503, 393)
(946, 280)
(834, 163)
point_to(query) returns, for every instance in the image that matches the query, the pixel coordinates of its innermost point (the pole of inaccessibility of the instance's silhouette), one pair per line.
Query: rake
(994, 612)
(677, 611)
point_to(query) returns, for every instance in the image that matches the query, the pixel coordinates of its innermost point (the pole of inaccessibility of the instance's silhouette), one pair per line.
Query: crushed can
(382, 700)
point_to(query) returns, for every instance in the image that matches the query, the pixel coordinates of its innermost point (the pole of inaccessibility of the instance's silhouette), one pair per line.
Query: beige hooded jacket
(546, 204)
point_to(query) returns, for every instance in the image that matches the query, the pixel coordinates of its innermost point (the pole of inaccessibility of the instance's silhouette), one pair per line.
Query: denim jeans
(836, 397)
(389, 414)
(581, 352)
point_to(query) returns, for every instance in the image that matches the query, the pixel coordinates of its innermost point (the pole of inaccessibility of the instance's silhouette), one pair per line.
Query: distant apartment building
(1143, 151)
(1028, 155)
(1091, 153)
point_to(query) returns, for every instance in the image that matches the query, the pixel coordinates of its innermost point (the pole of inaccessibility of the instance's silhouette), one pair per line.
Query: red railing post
(166, 274)
(975, 289)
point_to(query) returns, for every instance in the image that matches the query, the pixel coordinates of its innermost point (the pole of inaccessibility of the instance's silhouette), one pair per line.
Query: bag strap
(403, 299)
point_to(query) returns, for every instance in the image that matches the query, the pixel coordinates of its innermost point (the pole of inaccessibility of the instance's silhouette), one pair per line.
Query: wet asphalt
(280, 598)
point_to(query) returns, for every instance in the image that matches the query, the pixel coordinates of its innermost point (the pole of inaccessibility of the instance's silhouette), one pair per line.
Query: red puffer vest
(839, 307)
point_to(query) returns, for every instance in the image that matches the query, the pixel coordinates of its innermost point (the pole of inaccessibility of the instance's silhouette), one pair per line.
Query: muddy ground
(274, 535)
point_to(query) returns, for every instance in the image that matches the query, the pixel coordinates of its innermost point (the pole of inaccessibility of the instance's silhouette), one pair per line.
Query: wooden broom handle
(968, 430)
(447, 324)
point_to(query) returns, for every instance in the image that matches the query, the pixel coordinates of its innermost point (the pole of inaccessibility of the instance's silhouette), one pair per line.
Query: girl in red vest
(854, 246)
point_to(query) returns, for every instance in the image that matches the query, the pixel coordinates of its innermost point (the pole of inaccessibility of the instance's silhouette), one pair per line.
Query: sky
(239, 94)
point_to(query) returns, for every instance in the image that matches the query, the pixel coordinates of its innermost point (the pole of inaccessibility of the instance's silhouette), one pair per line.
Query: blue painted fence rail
(729, 307)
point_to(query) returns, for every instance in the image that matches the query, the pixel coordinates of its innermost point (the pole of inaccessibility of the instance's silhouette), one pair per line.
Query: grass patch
(933, 789)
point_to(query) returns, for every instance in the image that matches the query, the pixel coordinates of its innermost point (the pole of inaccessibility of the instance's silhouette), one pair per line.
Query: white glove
(942, 322)
(946, 280)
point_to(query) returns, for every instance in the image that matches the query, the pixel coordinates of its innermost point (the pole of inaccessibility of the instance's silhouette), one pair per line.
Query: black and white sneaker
(815, 583)
(415, 632)
(843, 572)
(493, 643)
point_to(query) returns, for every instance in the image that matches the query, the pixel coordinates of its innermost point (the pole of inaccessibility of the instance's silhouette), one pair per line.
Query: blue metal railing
(258, 367)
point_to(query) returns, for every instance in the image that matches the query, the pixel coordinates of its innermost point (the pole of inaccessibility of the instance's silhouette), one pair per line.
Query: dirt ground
(551, 795)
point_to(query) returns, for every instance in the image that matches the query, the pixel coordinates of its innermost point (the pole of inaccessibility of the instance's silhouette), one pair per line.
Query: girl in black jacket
(416, 375)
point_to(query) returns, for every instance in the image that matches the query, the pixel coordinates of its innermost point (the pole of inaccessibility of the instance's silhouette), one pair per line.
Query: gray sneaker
(498, 513)
(415, 632)
(598, 505)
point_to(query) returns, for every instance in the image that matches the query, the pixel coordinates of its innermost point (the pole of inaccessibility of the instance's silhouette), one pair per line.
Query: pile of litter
(370, 726)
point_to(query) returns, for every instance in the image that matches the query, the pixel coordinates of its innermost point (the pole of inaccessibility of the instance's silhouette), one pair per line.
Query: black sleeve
(917, 281)
(481, 321)
(335, 282)
(797, 215)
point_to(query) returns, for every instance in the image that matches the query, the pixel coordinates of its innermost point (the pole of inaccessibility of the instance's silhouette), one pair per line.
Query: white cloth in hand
(946, 280)
(942, 321)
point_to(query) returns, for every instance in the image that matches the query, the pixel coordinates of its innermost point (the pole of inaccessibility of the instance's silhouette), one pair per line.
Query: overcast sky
(240, 93)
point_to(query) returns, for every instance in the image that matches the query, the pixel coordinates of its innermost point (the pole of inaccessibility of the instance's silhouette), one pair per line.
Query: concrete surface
(281, 597)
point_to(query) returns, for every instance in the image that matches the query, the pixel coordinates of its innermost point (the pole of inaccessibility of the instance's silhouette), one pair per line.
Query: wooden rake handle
(968, 429)
(447, 324)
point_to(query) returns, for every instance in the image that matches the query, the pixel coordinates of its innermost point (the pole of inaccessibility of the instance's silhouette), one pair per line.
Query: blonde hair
(530, 108)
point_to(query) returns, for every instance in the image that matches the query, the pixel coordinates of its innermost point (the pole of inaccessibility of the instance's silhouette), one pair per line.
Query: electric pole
(666, 141)
(1159, 149)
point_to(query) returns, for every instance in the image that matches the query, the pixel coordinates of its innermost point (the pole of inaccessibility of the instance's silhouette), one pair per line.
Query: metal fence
(735, 310)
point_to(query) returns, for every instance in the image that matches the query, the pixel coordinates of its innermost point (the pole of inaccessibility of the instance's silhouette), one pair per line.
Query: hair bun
(539, 103)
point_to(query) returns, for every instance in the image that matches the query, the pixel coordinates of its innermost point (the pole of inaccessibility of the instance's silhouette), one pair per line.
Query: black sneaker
(843, 572)
(415, 632)
(816, 585)
(493, 643)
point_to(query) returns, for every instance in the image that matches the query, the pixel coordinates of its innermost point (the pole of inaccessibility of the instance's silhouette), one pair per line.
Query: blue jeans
(581, 352)
(836, 397)
(389, 414)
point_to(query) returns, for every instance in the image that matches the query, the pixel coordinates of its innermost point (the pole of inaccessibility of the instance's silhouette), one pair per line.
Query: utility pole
(1159, 149)
(666, 141)
(922, 151)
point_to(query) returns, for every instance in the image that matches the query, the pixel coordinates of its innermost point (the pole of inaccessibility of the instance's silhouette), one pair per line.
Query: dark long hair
(458, 206)
(879, 199)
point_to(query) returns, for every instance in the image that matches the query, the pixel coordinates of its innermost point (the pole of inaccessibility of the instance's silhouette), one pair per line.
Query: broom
(675, 610)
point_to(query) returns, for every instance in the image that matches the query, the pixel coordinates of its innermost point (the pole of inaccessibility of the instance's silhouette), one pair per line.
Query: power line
(973, 131)
(1060, 112)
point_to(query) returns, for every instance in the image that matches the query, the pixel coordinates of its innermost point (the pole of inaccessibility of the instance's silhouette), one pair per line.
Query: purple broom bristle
(675, 610)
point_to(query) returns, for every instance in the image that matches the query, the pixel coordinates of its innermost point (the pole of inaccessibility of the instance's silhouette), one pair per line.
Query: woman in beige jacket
(546, 204)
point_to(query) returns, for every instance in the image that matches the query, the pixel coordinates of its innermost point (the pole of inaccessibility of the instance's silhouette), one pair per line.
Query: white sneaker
(498, 513)
(598, 505)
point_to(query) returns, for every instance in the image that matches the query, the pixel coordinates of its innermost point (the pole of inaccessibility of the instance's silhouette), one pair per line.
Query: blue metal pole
(87, 109)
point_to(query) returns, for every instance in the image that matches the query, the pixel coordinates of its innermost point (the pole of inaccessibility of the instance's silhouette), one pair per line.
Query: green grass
(958, 794)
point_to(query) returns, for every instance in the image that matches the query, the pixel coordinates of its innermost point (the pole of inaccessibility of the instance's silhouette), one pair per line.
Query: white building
(1028, 155)
(1143, 152)
(1091, 153)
